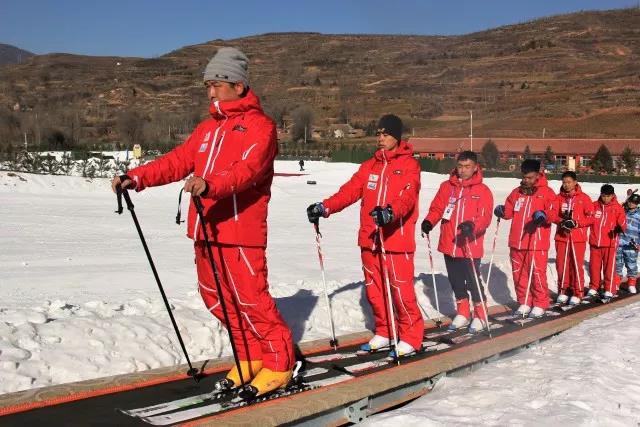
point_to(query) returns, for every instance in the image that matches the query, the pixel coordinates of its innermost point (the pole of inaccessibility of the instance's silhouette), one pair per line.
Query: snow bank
(587, 376)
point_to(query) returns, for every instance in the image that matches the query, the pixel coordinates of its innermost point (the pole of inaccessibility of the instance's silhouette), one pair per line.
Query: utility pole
(471, 127)
(25, 141)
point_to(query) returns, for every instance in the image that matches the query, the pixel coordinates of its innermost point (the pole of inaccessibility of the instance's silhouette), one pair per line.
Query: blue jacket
(633, 229)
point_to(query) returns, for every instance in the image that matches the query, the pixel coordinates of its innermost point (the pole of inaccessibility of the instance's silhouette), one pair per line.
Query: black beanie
(607, 190)
(391, 125)
(530, 165)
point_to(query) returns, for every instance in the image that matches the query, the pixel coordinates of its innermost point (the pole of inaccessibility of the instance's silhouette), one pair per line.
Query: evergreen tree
(549, 157)
(602, 160)
(527, 152)
(490, 154)
(628, 159)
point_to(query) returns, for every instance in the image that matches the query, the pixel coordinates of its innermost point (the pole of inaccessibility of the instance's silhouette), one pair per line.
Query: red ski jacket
(520, 208)
(388, 178)
(606, 217)
(581, 208)
(461, 201)
(234, 152)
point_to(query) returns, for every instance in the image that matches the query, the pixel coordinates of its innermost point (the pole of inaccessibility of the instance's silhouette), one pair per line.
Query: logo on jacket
(475, 196)
(372, 185)
(203, 147)
(598, 214)
(240, 128)
(373, 177)
(206, 137)
(397, 172)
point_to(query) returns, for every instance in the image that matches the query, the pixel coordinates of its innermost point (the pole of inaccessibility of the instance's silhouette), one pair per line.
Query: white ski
(189, 414)
(195, 400)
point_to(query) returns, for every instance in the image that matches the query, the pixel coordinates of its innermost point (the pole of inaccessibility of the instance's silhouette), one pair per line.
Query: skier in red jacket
(609, 221)
(464, 205)
(574, 216)
(532, 209)
(388, 186)
(230, 157)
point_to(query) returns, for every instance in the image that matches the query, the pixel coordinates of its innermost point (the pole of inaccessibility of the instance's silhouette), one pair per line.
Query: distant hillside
(12, 55)
(575, 75)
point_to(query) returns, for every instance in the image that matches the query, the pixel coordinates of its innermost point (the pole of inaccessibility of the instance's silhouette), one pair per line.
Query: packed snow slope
(78, 300)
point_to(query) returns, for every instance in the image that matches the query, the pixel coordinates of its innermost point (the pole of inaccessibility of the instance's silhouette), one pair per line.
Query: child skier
(533, 208)
(627, 255)
(575, 215)
(463, 205)
(608, 222)
(388, 186)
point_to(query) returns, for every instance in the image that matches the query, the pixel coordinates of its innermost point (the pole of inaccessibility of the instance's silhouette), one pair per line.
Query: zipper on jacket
(235, 207)
(455, 226)
(204, 172)
(384, 166)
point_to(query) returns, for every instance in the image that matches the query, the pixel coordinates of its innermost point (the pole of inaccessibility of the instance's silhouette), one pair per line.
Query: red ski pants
(399, 267)
(521, 263)
(603, 263)
(570, 266)
(259, 331)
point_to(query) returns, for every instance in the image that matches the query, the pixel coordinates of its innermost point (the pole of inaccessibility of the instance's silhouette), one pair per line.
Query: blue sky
(149, 28)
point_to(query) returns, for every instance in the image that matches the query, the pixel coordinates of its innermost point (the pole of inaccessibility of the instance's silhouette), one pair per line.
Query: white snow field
(78, 299)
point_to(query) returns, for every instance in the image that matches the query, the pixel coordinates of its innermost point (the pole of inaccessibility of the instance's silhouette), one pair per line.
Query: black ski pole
(192, 372)
(200, 209)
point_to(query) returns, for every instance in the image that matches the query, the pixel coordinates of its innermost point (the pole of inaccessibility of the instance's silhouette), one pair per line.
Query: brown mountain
(12, 55)
(575, 75)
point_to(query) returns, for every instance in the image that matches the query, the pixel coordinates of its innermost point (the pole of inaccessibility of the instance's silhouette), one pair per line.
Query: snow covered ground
(78, 300)
(587, 376)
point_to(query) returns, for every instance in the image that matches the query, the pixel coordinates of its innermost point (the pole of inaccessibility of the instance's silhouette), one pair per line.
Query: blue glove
(382, 216)
(539, 217)
(315, 211)
(499, 211)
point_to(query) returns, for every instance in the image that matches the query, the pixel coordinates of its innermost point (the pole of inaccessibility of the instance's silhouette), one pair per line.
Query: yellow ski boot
(250, 369)
(265, 382)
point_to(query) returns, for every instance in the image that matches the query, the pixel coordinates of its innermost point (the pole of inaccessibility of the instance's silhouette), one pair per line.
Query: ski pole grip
(198, 202)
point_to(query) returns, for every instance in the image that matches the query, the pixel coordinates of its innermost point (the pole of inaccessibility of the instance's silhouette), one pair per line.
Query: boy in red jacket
(231, 158)
(388, 186)
(532, 209)
(609, 221)
(575, 215)
(463, 205)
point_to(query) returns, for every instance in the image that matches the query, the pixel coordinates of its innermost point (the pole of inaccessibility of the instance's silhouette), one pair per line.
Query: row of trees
(601, 161)
(69, 129)
(79, 163)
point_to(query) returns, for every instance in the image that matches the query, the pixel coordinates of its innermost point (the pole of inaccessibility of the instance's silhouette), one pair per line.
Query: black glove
(466, 228)
(618, 230)
(568, 224)
(315, 211)
(426, 226)
(382, 216)
(499, 211)
(567, 215)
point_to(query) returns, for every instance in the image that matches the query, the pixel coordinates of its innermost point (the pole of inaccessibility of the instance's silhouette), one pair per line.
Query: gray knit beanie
(228, 65)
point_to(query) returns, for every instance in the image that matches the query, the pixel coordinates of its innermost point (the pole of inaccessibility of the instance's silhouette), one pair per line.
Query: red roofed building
(572, 154)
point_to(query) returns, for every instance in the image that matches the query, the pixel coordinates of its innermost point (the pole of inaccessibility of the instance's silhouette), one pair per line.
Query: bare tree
(302, 123)
(130, 125)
